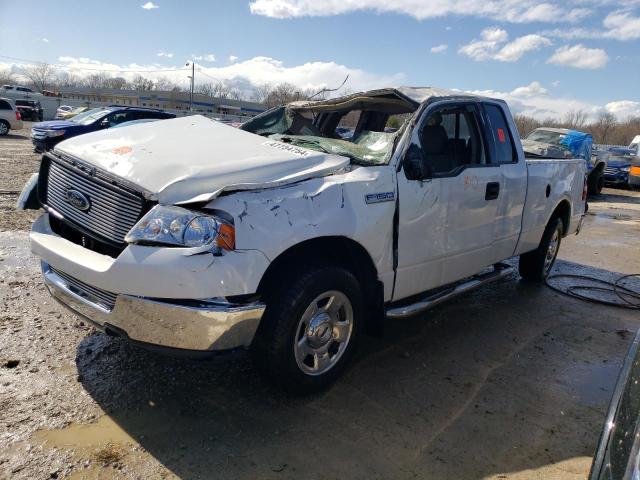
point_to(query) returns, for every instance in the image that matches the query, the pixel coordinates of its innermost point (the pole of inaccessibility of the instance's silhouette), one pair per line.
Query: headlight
(625, 169)
(54, 133)
(179, 227)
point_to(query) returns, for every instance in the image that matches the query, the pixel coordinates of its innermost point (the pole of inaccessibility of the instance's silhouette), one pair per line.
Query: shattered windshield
(353, 127)
(367, 147)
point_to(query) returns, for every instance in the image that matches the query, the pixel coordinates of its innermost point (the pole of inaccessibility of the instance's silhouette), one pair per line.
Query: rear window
(504, 149)
(4, 105)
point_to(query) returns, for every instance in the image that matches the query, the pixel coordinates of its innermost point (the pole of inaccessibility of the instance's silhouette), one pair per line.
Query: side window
(4, 105)
(504, 148)
(118, 117)
(450, 139)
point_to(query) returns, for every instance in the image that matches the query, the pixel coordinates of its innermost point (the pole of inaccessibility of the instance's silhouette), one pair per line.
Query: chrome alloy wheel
(3, 128)
(552, 251)
(323, 333)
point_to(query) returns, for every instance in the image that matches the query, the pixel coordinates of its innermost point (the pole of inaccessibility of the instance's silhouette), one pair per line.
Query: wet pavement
(512, 381)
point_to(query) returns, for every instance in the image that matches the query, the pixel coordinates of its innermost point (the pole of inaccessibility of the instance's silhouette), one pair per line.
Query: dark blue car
(45, 135)
(617, 170)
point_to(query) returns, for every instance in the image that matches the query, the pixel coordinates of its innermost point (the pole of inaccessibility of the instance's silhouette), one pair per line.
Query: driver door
(447, 211)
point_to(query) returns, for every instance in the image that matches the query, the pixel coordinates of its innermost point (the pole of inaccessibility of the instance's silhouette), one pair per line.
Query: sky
(545, 57)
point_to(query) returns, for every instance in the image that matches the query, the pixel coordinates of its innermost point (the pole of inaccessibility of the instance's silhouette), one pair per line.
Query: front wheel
(309, 330)
(536, 265)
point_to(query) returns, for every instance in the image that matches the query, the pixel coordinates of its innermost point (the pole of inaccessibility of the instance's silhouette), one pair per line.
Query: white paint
(281, 197)
(193, 158)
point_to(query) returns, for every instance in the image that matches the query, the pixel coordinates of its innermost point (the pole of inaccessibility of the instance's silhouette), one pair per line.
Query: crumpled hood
(618, 162)
(544, 149)
(193, 159)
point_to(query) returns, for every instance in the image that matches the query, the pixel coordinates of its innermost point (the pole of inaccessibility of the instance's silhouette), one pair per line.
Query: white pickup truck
(193, 236)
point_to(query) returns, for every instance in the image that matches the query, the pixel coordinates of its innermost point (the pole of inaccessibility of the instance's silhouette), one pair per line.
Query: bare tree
(603, 126)
(95, 80)
(116, 83)
(575, 119)
(166, 85)
(6, 76)
(66, 80)
(216, 89)
(526, 124)
(284, 93)
(40, 74)
(141, 83)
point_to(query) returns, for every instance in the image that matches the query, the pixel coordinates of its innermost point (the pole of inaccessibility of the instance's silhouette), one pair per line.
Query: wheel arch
(563, 212)
(333, 250)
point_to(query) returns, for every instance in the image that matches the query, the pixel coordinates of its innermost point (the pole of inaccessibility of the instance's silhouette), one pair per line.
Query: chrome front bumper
(199, 325)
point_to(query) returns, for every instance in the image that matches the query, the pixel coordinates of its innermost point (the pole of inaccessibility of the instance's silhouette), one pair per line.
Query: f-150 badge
(380, 197)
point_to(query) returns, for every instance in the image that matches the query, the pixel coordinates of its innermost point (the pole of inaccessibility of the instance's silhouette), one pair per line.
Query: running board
(499, 271)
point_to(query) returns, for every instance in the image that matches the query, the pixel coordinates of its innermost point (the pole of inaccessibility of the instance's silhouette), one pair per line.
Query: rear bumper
(197, 326)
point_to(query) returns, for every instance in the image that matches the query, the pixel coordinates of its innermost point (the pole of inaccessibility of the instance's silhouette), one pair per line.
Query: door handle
(493, 190)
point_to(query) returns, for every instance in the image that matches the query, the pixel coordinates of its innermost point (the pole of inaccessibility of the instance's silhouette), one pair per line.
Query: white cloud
(45, 40)
(244, 75)
(484, 49)
(492, 46)
(233, 58)
(439, 48)
(618, 25)
(555, 83)
(164, 54)
(622, 25)
(208, 57)
(149, 6)
(515, 50)
(494, 35)
(535, 101)
(623, 108)
(516, 11)
(579, 56)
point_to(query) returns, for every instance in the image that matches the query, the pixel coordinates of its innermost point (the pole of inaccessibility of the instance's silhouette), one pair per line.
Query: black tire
(274, 350)
(533, 265)
(4, 127)
(595, 182)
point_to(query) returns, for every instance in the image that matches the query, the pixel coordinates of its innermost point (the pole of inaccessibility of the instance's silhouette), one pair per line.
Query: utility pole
(192, 77)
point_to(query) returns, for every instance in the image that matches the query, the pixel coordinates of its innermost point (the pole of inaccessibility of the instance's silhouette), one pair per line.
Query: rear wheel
(309, 329)
(4, 127)
(536, 265)
(596, 182)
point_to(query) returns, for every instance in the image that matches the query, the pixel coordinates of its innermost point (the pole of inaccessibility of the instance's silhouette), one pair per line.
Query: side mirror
(415, 165)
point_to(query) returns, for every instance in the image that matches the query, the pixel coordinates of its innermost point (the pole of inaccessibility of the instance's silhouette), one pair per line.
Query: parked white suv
(9, 117)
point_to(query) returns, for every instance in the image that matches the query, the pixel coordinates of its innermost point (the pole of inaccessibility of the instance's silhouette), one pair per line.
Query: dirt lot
(510, 382)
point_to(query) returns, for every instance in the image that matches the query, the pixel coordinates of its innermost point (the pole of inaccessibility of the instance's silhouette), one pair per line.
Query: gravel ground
(512, 381)
(17, 162)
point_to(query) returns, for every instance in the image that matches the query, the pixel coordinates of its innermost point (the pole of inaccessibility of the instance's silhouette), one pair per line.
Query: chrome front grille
(92, 294)
(611, 171)
(110, 211)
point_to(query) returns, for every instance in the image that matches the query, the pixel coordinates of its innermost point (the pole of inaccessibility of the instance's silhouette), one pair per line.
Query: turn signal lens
(634, 170)
(226, 236)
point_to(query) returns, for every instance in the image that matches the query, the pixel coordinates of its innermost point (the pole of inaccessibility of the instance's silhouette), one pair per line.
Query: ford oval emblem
(78, 200)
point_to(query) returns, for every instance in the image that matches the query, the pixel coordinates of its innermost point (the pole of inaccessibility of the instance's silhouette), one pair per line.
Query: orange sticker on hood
(122, 150)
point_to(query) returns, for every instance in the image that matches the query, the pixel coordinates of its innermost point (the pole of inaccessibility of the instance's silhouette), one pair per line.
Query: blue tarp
(579, 143)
